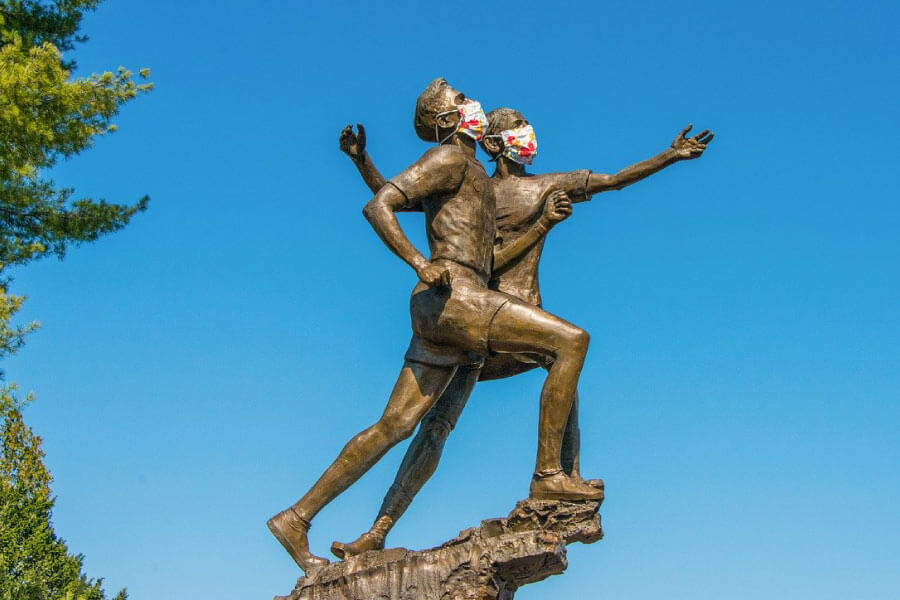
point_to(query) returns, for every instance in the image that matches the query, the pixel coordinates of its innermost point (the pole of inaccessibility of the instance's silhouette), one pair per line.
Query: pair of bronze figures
(476, 310)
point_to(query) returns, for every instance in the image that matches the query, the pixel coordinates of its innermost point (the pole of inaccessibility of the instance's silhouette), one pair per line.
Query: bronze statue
(523, 220)
(456, 319)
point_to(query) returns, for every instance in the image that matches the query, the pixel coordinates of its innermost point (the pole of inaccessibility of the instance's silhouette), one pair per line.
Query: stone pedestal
(489, 562)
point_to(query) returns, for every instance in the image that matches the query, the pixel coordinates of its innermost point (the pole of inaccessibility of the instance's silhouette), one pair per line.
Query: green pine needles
(34, 563)
(45, 115)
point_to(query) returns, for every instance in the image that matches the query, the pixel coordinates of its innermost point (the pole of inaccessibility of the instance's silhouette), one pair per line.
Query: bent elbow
(370, 209)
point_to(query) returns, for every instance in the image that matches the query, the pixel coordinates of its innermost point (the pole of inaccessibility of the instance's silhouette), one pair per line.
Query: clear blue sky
(196, 371)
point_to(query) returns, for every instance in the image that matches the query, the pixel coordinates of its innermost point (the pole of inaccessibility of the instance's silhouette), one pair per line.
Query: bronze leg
(571, 444)
(416, 390)
(418, 464)
(425, 450)
(519, 327)
(571, 450)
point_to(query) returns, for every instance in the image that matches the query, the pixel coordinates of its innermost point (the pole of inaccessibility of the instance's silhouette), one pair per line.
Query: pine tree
(45, 115)
(34, 563)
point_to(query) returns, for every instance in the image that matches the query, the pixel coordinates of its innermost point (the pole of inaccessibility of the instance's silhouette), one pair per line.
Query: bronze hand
(691, 147)
(353, 144)
(557, 207)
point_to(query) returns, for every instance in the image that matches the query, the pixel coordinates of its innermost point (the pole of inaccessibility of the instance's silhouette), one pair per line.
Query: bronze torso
(459, 220)
(520, 201)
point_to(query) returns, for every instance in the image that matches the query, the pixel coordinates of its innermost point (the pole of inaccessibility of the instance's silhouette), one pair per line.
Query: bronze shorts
(451, 326)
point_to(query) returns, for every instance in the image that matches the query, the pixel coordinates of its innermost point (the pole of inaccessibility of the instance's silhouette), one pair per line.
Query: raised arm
(354, 145)
(683, 148)
(557, 207)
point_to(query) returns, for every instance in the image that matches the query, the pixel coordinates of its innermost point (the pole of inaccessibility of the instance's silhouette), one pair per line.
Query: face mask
(519, 145)
(472, 121)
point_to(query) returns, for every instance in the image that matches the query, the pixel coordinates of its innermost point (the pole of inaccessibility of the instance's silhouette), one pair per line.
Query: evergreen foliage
(38, 21)
(45, 115)
(34, 563)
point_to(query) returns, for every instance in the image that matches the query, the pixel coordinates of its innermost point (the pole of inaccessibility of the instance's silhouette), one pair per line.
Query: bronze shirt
(455, 193)
(520, 202)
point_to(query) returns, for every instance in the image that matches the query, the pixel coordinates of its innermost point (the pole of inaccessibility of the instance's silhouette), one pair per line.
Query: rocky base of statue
(489, 562)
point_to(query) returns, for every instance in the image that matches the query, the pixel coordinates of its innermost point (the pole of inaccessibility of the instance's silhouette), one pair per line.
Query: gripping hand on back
(433, 275)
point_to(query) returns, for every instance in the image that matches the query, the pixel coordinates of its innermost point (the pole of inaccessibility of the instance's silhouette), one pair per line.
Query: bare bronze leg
(417, 387)
(571, 444)
(571, 448)
(418, 464)
(518, 327)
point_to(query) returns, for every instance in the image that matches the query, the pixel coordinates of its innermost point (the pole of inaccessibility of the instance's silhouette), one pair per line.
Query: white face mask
(472, 121)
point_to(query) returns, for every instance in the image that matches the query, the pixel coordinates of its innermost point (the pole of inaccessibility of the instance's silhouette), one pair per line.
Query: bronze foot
(559, 486)
(364, 543)
(594, 483)
(290, 529)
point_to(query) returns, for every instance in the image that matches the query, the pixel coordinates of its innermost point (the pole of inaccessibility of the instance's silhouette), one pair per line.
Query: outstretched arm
(683, 148)
(354, 145)
(557, 207)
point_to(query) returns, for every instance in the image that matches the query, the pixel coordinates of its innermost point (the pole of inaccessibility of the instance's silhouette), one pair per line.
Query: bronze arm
(507, 253)
(354, 145)
(557, 207)
(380, 213)
(600, 182)
(683, 148)
(373, 178)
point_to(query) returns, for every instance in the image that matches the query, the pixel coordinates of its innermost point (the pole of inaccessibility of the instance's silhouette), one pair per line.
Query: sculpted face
(507, 119)
(437, 105)
(451, 98)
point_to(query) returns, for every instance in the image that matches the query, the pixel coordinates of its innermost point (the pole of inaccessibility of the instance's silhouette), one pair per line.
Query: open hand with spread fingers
(691, 147)
(557, 207)
(353, 144)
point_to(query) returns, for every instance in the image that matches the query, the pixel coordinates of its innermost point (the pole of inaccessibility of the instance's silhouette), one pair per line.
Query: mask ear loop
(446, 112)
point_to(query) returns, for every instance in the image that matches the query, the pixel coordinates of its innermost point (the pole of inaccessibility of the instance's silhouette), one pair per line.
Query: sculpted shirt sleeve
(574, 183)
(439, 172)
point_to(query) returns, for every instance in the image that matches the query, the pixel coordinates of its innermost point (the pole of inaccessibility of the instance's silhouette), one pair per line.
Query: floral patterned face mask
(519, 145)
(472, 121)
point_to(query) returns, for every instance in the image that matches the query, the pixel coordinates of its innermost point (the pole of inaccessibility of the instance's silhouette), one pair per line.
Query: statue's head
(436, 110)
(500, 119)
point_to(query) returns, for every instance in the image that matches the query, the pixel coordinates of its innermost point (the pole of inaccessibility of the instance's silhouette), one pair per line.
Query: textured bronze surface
(489, 562)
(528, 207)
(475, 312)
